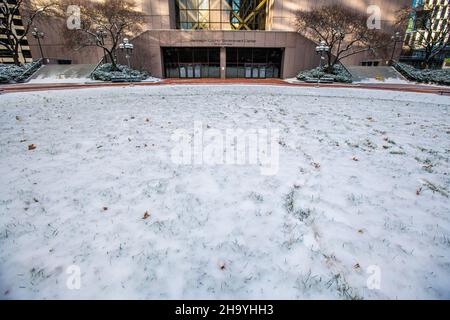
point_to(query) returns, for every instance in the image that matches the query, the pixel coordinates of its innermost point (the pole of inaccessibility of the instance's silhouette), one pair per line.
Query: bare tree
(30, 10)
(344, 31)
(103, 24)
(427, 33)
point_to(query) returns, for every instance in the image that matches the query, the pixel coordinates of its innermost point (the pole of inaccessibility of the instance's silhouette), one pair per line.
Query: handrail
(28, 73)
(96, 67)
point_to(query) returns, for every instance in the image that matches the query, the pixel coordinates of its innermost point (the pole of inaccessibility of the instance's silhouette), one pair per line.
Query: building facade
(24, 53)
(429, 19)
(224, 38)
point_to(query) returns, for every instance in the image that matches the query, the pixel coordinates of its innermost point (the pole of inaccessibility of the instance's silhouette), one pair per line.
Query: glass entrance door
(191, 62)
(254, 63)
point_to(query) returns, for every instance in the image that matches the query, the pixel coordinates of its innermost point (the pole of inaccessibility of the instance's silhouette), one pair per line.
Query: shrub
(104, 73)
(10, 73)
(425, 76)
(339, 74)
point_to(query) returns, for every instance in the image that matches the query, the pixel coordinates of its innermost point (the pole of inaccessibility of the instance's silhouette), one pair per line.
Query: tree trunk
(113, 61)
(427, 61)
(16, 56)
(330, 57)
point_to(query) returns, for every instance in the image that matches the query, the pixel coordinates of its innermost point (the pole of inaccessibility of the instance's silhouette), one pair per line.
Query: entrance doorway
(254, 62)
(191, 62)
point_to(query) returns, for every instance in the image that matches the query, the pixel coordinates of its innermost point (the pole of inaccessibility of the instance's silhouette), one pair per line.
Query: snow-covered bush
(10, 73)
(426, 75)
(340, 74)
(104, 73)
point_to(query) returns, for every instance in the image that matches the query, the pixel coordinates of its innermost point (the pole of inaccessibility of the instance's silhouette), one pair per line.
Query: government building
(225, 38)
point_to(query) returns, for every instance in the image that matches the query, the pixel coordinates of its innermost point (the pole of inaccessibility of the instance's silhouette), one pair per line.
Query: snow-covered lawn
(361, 194)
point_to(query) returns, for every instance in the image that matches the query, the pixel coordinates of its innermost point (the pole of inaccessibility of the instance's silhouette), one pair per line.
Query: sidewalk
(10, 88)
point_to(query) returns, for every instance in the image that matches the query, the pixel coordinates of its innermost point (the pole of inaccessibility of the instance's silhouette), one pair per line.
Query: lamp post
(128, 48)
(321, 49)
(38, 35)
(101, 36)
(397, 37)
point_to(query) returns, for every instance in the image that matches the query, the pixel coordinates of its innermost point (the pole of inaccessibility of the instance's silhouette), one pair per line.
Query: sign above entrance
(222, 42)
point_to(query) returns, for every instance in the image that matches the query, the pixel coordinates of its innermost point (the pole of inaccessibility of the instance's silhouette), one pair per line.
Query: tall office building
(428, 20)
(24, 50)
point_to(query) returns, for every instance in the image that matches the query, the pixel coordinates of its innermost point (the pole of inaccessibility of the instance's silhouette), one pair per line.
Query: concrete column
(223, 62)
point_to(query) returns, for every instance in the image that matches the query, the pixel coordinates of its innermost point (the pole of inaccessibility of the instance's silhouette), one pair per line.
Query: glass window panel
(262, 72)
(205, 71)
(190, 71)
(191, 4)
(215, 26)
(174, 72)
(245, 55)
(274, 56)
(255, 72)
(192, 16)
(185, 55)
(276, 72)
(214, 71)
(182, 72)
(232, 55)
(203, 15)
(241, 72)
(183, 15)
(197, 71)
(203, 4)
(232, 72)
(214, 55)
(248, 72)
(200, 54)
(260, 55)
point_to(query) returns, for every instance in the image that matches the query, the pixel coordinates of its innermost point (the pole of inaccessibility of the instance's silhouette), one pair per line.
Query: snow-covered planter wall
(105, 73)
(426, 76)
(340, 74)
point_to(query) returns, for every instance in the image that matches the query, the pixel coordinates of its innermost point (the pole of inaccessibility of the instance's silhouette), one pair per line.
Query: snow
(53, 80)
(362, 187)
(386, 80)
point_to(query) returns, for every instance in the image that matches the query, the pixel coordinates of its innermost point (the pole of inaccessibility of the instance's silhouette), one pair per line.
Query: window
(253, 62)
(191, 62)
(221, 14)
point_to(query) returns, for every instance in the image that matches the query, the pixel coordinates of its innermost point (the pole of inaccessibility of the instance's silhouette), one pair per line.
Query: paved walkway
(64, 86)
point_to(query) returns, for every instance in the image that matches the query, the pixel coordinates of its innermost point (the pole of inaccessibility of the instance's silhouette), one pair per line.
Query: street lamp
(321, 49)
(38, 35)
(128, 48)
(397, 37)
(101, 36)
